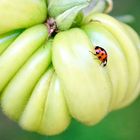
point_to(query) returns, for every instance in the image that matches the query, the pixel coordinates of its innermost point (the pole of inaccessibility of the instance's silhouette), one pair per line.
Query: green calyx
(69, 14)
(57, 7)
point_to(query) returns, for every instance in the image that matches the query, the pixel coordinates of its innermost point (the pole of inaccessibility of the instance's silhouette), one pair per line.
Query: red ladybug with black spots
(101, 54)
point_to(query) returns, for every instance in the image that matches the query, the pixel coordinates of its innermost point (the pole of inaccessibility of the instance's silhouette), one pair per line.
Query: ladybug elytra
(101, 54)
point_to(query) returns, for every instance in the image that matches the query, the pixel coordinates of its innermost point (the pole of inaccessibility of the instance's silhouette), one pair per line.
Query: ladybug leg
(92, 53)
(105, 63)
(101, 63)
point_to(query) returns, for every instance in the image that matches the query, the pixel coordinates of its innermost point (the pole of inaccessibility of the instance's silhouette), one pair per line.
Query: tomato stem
(52, 26)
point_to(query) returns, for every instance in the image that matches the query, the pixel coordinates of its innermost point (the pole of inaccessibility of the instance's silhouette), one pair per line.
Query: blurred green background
(119, 125)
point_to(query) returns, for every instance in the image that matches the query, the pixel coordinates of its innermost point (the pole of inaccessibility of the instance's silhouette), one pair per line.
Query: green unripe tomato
(45, 80)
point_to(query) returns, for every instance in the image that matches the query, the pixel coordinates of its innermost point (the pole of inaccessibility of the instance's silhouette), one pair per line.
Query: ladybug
(101, 54)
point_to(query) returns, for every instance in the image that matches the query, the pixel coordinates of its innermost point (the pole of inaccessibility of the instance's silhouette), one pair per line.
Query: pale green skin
(130, 49)
(136, 41)
(7, 38)
(87, 86)
(20, 51)
(27, 62)
(43, 83)
(48, 107)
(116, 65)
(15, 14)
(21, 85)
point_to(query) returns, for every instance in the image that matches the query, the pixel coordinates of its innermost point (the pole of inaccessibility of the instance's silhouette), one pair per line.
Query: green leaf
(66, 19)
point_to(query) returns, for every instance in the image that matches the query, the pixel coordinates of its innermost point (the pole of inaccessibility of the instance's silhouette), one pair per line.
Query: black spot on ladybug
(101, 54)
